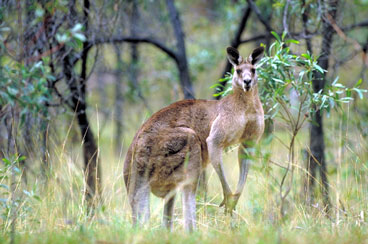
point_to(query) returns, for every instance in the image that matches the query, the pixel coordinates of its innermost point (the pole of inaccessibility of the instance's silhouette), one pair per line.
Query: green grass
(60, 216)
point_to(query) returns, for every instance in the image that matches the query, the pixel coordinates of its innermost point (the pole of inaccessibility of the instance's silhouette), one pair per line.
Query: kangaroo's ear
(234, 56)
(256, 55)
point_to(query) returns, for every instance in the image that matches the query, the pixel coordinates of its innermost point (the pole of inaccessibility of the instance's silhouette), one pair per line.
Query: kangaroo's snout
(247, 81)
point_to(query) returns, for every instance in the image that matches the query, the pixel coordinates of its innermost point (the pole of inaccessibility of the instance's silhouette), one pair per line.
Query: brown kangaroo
(172, 147)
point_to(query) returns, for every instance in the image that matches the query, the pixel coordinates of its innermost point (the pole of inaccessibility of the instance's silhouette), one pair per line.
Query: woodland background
(79, 77)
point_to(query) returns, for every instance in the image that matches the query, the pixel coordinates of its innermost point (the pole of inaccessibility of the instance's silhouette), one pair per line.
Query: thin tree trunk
(90, 151)
(44, 124)
(134, 54)
(317, 146)
(119, 102)
(305, 16)
(77, 86)
(235, 43)
(184, 75)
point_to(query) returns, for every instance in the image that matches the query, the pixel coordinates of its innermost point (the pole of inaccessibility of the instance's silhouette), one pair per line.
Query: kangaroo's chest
(253, 127)
(243, 127)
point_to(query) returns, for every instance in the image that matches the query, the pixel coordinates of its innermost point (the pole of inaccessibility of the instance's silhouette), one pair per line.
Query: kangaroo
(173, 146)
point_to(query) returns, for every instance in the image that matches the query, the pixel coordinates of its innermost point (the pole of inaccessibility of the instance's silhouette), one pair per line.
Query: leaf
(334, 82)
(283, 35)
(21, 158)
(348, 93)
(292, 41)
(77, 28)
(7, 161)
(12, 91)
(317, 67)
(339, 85)
(359, 91)
(62, 38)
(276, 36)
(80, 37)
(37, 198)
(358, 83)
(278, 80)
(216, 85)
(306, 55)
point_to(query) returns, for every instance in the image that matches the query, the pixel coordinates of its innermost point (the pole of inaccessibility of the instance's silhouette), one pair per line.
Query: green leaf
(306, 55)
(358, 83)
(348, 93)
(283, 35)
(276, 36)
(317, 67)
(7, 161)
(21, 158)
(216, 85)
(292, 41)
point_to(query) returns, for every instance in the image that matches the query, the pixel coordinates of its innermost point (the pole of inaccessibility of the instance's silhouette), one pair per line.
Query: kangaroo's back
(165, 132)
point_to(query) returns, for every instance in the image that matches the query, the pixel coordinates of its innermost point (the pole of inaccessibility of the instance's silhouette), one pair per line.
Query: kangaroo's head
(245, 76)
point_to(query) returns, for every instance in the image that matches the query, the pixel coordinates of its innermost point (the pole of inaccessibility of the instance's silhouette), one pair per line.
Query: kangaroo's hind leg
(192, 170)
(139, 197)
(168, 212)
(189, 207)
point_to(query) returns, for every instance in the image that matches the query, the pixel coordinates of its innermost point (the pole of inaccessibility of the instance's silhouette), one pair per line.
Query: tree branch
(256, 10)
(235, 43)
(363, 23)
(133, 39)
(308, 35)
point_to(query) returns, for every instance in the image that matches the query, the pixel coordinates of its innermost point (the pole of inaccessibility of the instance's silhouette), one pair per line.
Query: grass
(59, 215)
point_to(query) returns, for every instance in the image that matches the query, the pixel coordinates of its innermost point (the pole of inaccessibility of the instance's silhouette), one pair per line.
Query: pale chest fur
(242, 127)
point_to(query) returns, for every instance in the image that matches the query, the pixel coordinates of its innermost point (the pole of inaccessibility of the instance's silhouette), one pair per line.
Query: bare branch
(132, 39)
(235, 43)
(256, 10)
(307, 35)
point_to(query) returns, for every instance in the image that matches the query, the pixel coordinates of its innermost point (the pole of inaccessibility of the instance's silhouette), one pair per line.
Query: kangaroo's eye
(238, 71)
(253, 70)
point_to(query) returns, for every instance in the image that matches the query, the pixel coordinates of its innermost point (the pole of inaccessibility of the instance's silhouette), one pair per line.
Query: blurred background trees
(85, 74)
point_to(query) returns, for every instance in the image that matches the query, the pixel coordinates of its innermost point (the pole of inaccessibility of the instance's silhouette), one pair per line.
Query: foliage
(25, 86)
(281, 73)
(10, 199)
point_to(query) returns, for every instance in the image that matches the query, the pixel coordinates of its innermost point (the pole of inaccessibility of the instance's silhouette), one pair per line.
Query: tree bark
(119, 102)
(77, 87)
(182, 63)
(235, 43)
(134, 54)
(317, 146)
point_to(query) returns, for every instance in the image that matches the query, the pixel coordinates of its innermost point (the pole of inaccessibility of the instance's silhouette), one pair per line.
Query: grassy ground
(54, 211)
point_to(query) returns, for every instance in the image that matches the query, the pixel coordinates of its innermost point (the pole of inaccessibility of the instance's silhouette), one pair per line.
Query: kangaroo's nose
(247, 82)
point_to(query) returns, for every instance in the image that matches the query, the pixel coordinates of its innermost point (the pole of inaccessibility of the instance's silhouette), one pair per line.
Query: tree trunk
(182, 62)
(77, 87)
(317, 146)
(235, 43)
(119, 102)
(134, 54)
(90, 155)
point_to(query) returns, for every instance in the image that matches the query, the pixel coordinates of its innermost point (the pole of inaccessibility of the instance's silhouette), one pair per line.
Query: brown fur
(171, 148)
